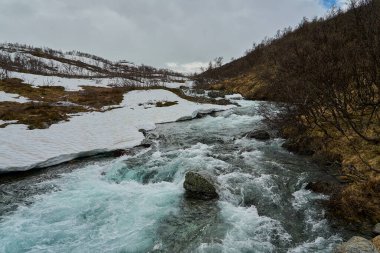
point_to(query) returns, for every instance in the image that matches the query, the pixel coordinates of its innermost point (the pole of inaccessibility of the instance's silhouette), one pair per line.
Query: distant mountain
(74, 64)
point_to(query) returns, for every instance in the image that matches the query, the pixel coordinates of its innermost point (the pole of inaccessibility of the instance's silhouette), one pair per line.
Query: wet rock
(122, 152)
(259, 135)
(199, 91)
(143, 131)
(216, 94)
(356, 244)
(320, 187)
(376, 242)
(200, 185)
(146, 143)
(376, 229)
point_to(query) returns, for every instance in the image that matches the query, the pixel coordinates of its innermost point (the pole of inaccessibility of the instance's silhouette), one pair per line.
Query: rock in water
(200, 185)
(259, 135)
(356, 244)
(376, 229)
(320, 187)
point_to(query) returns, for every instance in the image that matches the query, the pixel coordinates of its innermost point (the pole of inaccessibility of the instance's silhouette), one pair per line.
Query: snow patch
(91, 133)
(11, 97)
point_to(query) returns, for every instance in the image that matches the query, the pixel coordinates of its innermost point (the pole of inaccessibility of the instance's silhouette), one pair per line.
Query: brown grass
(45, 111)
(358, 200)
(36, 115)
(248, 85)
(95, 97)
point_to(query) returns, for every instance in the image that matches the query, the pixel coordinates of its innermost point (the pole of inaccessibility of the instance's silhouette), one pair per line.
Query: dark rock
(143, 131)
(297, 147)
(146, 143)
(376, 229)
(120, 152)
(200, 185)
(258, 135)
(356, 244)
(321, 187)
(215, 94)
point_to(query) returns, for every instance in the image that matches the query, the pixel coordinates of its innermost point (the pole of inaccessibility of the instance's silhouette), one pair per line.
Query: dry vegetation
(326, 73)
(52, 104)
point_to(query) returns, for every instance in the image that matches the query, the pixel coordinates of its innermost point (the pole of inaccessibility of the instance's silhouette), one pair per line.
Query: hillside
(40, 87)
(49, 62)
(326, 72)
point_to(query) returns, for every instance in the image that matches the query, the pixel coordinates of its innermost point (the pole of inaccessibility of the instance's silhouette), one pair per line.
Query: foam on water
(319, 245)
(249, 232)
(136, 203)
(90, 214)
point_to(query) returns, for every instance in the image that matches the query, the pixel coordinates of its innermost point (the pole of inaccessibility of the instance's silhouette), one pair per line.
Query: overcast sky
(181, 34)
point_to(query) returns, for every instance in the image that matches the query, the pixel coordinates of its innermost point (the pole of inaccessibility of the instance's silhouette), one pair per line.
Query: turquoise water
(135, 203)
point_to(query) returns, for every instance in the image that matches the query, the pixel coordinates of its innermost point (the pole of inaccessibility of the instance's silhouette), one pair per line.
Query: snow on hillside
(91, 133)
(70, 84)
(49, 62)
(74, 84)
(10, 97)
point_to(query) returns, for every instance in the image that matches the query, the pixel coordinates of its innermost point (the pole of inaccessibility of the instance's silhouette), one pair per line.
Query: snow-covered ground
(70, 84)
(11, 97)
(91, 133)
(176, 85)
(74, 84)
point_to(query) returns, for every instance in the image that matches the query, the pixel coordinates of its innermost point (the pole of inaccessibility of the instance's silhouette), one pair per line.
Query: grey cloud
(154, 32)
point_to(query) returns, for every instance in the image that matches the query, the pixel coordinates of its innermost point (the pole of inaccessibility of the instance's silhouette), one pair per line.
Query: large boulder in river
(200, 185)
(357, 244)
(259, 135)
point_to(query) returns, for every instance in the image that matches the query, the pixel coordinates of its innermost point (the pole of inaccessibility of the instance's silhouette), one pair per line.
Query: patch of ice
(11, 97)
(234, 96)
(7, 122)
(176, 85)
(70, 84)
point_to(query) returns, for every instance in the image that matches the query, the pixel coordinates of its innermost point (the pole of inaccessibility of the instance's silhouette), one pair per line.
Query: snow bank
(70, 84)
(176, 85)
(11, 97)
(74, 84)
(91, 133)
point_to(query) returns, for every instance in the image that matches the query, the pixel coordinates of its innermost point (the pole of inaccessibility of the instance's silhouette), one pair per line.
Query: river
(135, 202)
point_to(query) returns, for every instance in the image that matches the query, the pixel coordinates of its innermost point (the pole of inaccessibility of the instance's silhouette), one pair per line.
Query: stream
(135, 202)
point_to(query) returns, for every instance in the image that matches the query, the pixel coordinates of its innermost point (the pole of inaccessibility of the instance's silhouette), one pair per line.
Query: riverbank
(136, 202)
(95, 132)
